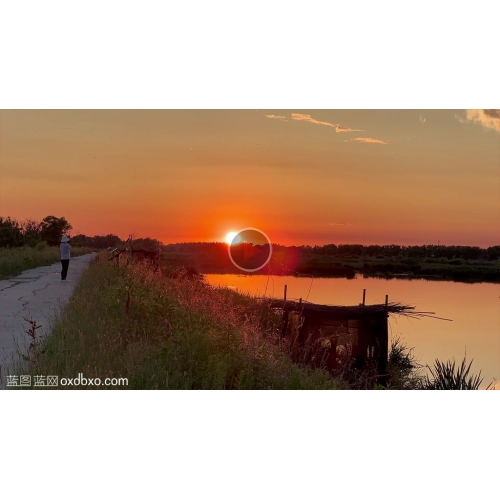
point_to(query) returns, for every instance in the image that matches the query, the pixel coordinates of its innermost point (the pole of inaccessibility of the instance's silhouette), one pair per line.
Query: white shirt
(65, 248)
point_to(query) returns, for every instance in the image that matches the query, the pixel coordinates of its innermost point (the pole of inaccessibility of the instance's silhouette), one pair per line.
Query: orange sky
(301, 176)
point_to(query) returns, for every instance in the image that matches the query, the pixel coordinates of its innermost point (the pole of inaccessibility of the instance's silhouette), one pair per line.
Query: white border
(264, 55)
(270, 55)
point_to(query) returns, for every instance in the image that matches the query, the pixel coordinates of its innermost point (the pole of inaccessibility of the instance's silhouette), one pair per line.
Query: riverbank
(177, 332)
(162, 332)
(213, 258)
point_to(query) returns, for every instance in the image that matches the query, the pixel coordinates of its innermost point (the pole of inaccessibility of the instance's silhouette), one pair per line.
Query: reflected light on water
(474, 309)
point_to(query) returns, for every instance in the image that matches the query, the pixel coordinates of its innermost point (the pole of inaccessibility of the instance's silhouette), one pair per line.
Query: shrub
(402, 367)
(449, 376)
(41, 245)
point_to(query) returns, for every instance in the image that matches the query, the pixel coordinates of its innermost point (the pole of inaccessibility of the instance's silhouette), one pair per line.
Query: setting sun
(230, 237)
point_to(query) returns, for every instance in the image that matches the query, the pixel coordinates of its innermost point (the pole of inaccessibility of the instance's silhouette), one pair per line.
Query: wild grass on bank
(404, 372)
(176, 332)
(450, 376)
(18, 259)
(165, 332)
(403, 369)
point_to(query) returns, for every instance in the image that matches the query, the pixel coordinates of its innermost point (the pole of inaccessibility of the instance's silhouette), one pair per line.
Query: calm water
(474, 309)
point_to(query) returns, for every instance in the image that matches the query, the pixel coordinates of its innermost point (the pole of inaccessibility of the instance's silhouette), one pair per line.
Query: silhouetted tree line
(49, 230)
(14, 233)
(97, 242)
(453, 262)
(113, 241)
(411, 252)
(374, 251)
(100, 242)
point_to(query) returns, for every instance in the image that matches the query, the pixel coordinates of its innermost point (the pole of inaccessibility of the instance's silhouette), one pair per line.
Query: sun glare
(230, 237)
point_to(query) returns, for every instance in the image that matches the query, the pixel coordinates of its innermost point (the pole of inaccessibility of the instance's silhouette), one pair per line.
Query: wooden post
(383, 344)
(383, 350)
(285, 314)
(364, 295)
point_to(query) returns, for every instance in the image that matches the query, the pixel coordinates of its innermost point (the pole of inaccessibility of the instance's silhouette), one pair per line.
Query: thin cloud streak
(310, 119)
(276, 117)
(338, 128)
(369, 140)
(300, 117)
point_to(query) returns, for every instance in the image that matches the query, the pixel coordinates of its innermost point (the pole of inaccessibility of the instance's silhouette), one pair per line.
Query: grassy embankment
(16, 260)
(168, 333)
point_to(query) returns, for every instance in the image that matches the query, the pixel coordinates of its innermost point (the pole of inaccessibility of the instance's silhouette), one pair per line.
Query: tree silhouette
(10, 233)
(52, 229)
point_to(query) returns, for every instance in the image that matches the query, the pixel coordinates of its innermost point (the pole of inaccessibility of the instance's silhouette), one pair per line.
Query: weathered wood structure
(335, 335)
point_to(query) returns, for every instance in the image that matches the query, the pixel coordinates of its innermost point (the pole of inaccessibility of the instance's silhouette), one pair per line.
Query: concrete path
(36, 294)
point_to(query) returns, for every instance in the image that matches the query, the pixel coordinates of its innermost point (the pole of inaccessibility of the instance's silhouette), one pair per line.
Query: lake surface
(474, 309)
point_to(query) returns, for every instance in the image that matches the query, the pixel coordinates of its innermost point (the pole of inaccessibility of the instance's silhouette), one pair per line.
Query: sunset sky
(301, 176)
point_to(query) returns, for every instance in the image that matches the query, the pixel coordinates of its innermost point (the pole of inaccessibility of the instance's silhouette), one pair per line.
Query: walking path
(36, 294)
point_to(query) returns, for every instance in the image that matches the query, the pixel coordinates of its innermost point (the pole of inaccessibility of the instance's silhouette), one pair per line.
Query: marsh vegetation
(174, 331)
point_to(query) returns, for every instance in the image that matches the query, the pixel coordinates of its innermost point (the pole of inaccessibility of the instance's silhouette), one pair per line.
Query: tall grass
(16, 260)
(404, 372)
(165, 332)
(450, 376)
(403, 369)
(177, 332)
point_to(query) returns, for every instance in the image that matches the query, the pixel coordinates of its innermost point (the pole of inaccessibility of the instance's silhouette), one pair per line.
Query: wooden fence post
(285, 314)
(383, 346)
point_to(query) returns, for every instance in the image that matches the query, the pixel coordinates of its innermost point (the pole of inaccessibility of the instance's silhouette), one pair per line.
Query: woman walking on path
(65, 256)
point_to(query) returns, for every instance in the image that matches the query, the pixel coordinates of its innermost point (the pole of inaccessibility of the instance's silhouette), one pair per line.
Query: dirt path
(36, 294)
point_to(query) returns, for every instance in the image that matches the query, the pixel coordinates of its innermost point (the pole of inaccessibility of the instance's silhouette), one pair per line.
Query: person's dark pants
(65, 265)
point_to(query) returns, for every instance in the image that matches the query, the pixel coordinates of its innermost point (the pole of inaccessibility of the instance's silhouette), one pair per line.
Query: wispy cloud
(338, 128)
(300, 117)
(488, 118)
(339, 224)
(310, 119)
(422, 119)
(369, 140)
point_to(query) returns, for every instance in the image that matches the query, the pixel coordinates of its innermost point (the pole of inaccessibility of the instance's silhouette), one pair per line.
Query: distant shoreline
(397, 263)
